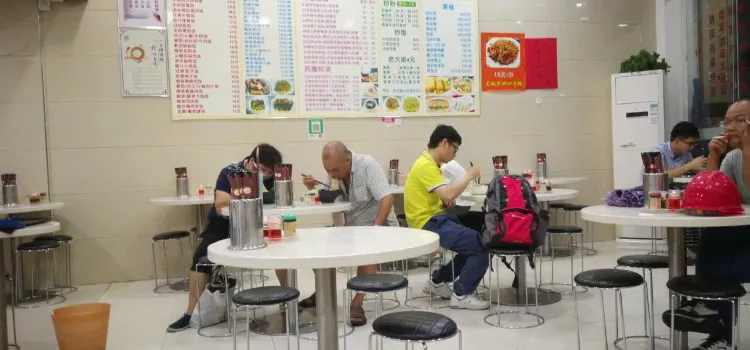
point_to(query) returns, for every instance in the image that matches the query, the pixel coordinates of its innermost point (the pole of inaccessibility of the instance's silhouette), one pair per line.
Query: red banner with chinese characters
(541, 63)
(503, 62)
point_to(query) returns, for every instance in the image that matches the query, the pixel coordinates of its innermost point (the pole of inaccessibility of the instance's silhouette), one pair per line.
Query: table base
(275, 324)
(180, 286)
(510, 296)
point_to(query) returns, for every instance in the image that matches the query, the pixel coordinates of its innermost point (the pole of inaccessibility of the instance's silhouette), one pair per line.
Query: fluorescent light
(584, 18)
(518, 22)
(580, 4)
(622, 25)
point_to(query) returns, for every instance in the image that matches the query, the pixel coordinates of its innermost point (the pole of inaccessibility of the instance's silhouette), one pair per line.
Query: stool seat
(35, 246)
(608, 278)
(377, 283)
(171, 235)
(563, 229)
(56, 238)
(204, 261)
(702, 287)
(415, 326)
(574, 207)
(558, 205)
(644, 261)
(511, 250)
(269, 295)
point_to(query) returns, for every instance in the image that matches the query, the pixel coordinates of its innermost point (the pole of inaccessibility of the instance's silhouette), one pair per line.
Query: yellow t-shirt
(420, 200)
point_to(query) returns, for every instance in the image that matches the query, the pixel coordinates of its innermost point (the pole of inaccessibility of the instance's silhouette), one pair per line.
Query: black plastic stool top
(702, 287)
(377, 283)
(511, 250)
(558, 205)
(644, 261)
(35, 246)
(269, 295)
(574, 207)
(204, 261)
(56, 238)
(564, 229)
(171, 235)
(415, 326)
(608, 278)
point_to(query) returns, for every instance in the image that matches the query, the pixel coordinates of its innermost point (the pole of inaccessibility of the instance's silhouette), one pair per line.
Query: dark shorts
(216, 230)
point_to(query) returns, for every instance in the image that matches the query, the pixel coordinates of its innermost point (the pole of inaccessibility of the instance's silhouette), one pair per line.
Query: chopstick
(320, 183)
(477, 180)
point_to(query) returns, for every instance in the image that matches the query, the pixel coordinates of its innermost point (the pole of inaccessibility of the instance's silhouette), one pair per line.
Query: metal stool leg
(604, 321)
(166, 261)
(156, 276)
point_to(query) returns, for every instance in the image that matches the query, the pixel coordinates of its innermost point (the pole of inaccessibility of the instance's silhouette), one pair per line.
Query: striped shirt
(368, 185)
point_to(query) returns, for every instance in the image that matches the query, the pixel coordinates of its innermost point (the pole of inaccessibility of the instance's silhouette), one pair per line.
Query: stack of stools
(228, 284)
(40, 296)
(645, 263)
(376, 284)
(269, 295)
(415, 327)
(703, 288)
(572, 212)
(572, 232)
(66, 283)
(516, 253)
(605, 279)
(163, 238)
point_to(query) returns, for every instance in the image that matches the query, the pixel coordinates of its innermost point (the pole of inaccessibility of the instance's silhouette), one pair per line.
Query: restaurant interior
(116, 116)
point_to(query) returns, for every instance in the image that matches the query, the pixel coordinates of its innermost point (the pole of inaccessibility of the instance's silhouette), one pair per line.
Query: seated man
(364, 184)
(724, 251)
(676, 152)
(426, 195)
(218, 226)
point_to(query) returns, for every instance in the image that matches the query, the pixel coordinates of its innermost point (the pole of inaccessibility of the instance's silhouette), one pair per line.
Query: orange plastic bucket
(82, 326)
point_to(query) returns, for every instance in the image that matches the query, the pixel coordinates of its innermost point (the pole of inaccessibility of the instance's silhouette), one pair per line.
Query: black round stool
(65, 266)
(556, 209)
(604, 279)
(40, 296)
(164, 238)
(376, 284)
(586, 247)
(264, 296)
(645, 263)
(415, 327)
(704, 288)
(516, 253)
(572, 232)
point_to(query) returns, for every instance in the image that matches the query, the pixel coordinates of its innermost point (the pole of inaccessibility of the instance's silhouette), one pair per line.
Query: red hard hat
(712, 193)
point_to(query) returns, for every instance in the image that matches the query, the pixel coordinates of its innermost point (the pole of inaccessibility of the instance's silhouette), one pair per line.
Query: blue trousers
(470, 262)
(724, 254)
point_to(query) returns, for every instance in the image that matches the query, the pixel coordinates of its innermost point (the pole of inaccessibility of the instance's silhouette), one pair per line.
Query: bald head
(335, 149)
(739, 107)
(337, 160)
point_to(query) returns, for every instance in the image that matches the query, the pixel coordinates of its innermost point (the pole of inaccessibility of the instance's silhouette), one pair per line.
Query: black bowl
(328, 196)
(269, 197)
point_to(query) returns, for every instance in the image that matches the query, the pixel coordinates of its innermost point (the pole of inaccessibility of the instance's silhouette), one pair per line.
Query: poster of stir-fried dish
(503, 62)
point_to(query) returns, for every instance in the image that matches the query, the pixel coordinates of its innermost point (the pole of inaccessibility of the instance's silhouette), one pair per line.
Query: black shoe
(713, 343)
(694, 317)
(180, 325)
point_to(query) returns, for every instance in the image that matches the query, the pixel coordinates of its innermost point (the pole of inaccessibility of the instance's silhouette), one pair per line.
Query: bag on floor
(212, 305)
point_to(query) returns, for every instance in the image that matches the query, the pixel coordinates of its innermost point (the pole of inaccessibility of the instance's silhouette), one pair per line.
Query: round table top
(35, 230)
(30, 208)
(192, 200)
(302, 209)
(330, 247)
(555, 195)
(557, 181)
(643, 217)
(397, 190)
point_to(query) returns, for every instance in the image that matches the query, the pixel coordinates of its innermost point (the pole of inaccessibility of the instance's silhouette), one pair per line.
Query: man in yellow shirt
(426, 195)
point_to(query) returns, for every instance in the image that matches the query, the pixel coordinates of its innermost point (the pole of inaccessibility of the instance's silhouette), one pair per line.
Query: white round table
(29, 208)
(556, 194)
(675, 223)
(300, 209)
(198, 201)
(397, 189)
(34, 230)
(557, 181)
(325, 249)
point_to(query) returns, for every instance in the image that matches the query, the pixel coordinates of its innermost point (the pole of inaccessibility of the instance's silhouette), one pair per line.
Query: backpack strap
(514, 189)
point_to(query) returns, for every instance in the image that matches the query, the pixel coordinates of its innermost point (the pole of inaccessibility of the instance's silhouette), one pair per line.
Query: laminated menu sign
(338, 56)
(400, 46)
(451, 51)
(143, 62)
(269, 57)
(204, 51)
(141, 13)
(503, 62)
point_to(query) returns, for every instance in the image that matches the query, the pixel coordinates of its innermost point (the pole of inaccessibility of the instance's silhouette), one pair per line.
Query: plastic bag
(212, 305)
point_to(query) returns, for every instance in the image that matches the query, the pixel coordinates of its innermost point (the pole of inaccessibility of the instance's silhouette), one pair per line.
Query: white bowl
(479, 189)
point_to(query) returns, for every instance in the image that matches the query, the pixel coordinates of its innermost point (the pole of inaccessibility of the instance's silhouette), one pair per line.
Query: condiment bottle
(290, 225)
(674, 200)
(201, 191)
(654, 200)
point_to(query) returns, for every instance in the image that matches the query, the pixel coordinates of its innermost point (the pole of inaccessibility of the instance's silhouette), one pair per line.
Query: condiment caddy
(245, 211)
(10, 190)
(500, 165)
(393, 174)
(283, 186)
(182, 184)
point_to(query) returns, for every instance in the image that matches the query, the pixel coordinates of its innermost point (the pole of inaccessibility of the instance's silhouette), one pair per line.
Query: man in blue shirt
(676, 152)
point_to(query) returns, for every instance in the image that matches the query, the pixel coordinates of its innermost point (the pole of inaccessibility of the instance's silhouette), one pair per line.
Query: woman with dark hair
(265, 157)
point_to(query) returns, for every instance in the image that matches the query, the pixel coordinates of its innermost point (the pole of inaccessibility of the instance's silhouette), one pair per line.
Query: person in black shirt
(218, 226)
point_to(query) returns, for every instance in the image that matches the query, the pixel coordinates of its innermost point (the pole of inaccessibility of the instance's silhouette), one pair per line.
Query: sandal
(308, 303)
(357, 316)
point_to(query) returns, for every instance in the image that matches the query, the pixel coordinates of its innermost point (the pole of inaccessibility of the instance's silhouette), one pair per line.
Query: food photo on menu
(503, 52)
(450, 94)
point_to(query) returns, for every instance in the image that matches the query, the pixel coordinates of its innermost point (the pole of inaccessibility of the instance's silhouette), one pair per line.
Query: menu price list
(451, 45)
(205, 58)
(401, 61)
(338, 56)
(269, 57)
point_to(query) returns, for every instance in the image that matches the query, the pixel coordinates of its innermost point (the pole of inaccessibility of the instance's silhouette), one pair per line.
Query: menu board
(325, 58)
(143, 62)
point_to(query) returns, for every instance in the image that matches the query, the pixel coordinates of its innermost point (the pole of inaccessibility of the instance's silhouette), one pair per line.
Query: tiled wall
(109, 155)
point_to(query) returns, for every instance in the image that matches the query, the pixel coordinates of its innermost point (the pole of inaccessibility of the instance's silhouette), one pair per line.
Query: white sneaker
(442, 290)
(469, 302)
(713, 344)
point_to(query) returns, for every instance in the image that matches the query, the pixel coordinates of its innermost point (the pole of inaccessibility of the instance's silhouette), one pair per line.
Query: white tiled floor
(139, 317)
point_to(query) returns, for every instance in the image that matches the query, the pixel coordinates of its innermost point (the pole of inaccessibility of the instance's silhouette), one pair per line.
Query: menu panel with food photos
(343, 58)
